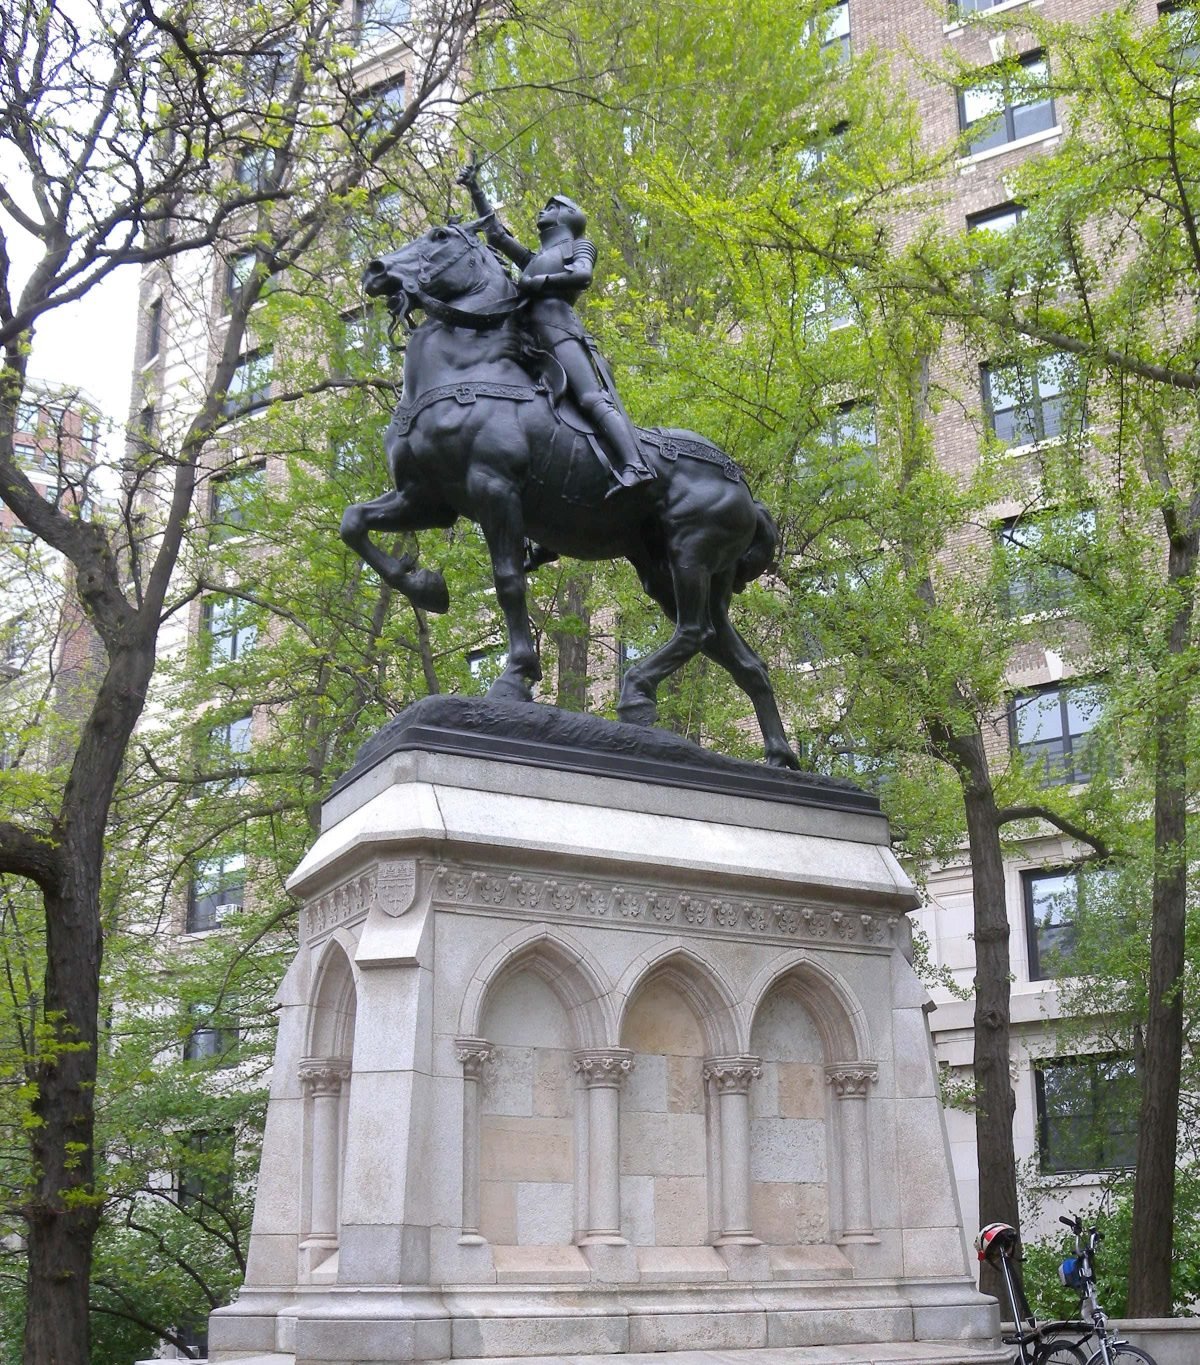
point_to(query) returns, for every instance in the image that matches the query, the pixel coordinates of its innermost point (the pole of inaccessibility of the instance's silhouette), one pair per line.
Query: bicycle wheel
(1123, 1354)
(1059, 1353)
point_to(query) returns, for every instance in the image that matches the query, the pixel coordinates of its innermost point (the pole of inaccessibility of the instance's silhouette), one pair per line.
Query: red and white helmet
(996, 1239)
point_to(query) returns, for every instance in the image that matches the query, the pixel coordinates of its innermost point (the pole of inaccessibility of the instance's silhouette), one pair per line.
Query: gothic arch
(334, 1004)
(562, 965)
(839, 1018)
(701, 983)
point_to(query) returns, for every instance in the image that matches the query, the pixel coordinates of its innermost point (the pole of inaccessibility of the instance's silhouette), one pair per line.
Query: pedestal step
(879, 1353)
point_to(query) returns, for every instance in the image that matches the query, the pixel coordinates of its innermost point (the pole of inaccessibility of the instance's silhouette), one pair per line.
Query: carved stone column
(473, 1053)
(322, 1079)
(851, 1081)
(731, 1077)
(602, 1071)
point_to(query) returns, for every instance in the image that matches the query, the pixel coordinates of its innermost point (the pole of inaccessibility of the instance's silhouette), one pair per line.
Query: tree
(145, 136)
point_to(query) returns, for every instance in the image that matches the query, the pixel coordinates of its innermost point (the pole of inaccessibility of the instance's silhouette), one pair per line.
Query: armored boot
(619, 444)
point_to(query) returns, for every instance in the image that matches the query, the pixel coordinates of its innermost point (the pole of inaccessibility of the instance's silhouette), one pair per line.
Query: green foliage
(1111, 1210)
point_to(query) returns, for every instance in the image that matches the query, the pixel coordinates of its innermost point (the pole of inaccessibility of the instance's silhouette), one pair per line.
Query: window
(958, 8)
(995, 113)
(228, 746)
(252, 169)
(375, 19)
(1183, 29)
(1087, 1114)
(209, 1039)
(216, 890)
(1029, 401)
(1050, 728)
(365, 344)
(206, 1168)
(1002, 219)
(825, 144)
(229, 628)
(26, 451)
(485, 665)
(836, 36)
(380, 108)
(1038, 555)
(233, 496)
(833, 304)
(849, 433)
(250, 385)
(154, 321)
(238, 270)
(29, 417)
(1053, 900)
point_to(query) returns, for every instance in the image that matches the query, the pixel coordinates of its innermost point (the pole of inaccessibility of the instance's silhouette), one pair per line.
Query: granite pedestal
(598, 1045)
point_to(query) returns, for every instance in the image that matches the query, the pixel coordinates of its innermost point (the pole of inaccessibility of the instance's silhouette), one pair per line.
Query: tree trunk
(63, 1208)
(573, 647)
(995, 1102)
(1158, 1121)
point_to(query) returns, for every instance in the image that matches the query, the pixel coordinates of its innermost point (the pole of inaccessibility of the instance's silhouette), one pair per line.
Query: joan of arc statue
(553, 277)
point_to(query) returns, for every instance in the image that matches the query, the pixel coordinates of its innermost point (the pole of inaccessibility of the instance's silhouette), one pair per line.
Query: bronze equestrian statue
(511, 434)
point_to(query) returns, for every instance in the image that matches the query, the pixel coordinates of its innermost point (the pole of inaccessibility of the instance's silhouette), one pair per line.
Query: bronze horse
(475, 436)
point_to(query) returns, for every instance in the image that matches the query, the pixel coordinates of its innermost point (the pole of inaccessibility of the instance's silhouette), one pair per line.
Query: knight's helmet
(573, 216)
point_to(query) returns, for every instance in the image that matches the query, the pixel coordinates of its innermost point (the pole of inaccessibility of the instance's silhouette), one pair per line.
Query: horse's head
(447, 263)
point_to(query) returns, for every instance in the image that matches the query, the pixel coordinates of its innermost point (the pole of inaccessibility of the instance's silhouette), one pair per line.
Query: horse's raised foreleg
(395, 513)
(639, 692)
(504, 530)
(727, 648)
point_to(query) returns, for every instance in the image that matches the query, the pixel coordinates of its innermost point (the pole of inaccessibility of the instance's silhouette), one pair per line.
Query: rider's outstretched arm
(495, 232)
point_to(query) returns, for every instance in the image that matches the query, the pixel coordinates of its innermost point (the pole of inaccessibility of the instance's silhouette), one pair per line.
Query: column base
(603, 1239)
(471, 1239)
(738, 1239)
(612, 1262)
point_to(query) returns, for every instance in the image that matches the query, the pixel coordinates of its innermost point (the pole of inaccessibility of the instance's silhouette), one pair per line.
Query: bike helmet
(996, 1240)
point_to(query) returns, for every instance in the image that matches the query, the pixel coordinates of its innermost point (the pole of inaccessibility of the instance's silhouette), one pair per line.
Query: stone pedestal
(596, 1045)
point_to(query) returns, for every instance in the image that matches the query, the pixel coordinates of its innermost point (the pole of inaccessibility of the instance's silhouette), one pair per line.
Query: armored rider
(553, 277)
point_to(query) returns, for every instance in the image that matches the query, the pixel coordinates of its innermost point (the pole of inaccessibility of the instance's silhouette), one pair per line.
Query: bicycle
(1059, 1342)
(1078, 1272)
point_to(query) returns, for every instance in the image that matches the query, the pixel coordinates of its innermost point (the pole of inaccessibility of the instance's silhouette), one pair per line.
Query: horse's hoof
(782, 758)
(427, 589)
(510, 689)
(640, 712)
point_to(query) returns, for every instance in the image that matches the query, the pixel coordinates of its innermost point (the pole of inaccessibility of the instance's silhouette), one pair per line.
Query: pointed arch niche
(677, 1019)
(537, 1013)
(325, 1077)
(809, 1167)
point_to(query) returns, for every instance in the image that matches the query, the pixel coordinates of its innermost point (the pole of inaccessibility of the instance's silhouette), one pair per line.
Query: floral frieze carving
(752, 917)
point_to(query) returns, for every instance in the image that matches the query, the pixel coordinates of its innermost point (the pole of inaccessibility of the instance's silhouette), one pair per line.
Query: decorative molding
(391, 885)
(733, 1074)
(637, 905)
(603, 1065)
(851, 1080)
(322, 1076)
(474, 1054)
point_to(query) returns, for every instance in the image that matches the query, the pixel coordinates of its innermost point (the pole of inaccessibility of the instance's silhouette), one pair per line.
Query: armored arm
(571, 281)
(495, 232)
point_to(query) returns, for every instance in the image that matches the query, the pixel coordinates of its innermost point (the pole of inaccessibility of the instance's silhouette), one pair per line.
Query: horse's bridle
(446, 312)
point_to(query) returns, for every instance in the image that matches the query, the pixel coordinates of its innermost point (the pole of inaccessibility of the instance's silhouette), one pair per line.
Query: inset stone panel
(527, 1105)
(789, 1107)
(664, 1184)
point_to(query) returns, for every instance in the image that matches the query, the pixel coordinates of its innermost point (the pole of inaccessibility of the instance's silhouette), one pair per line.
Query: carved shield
(396, 887)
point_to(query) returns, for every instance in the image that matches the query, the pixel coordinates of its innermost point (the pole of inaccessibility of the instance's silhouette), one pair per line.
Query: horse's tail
(760, 555)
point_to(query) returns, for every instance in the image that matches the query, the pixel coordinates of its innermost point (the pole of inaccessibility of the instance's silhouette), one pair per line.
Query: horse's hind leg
(726, 647)
(395, 513)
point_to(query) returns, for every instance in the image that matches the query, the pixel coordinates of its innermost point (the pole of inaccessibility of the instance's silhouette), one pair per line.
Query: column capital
(604, 1066)
(733, 1074)
(324, 1075)
(851, 1080)
(473, 1053)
